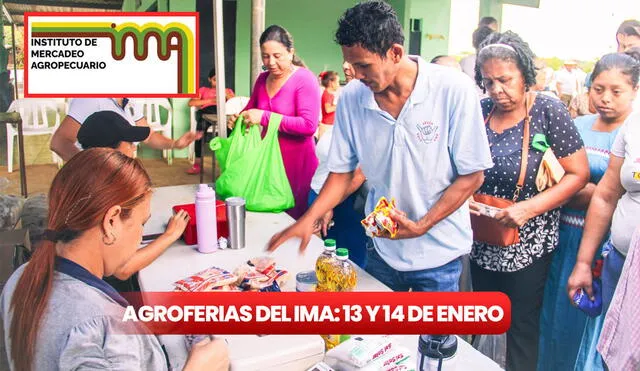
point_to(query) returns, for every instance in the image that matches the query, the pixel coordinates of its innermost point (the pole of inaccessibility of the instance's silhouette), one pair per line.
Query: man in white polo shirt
(567, 82)
(64, 139)
(417, 132)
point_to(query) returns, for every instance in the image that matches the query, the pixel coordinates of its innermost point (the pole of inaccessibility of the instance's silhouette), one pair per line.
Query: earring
(111, 242)
(264, 68)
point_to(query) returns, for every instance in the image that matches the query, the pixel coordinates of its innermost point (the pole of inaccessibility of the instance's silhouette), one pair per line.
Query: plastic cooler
(190, 235)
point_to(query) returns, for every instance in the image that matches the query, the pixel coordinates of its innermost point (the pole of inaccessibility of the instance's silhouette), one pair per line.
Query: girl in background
(329, 100)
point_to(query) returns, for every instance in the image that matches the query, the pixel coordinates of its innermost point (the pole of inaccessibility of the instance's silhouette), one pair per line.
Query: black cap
(108, 129)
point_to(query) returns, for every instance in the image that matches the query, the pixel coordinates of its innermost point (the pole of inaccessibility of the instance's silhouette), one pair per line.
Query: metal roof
(17, 8)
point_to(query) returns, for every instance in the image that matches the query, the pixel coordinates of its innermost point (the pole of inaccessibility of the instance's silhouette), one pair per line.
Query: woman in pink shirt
(292, 91)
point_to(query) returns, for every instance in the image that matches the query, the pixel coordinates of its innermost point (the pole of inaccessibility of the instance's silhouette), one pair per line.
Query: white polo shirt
(81, 108)
(438, 135)
(568, 81)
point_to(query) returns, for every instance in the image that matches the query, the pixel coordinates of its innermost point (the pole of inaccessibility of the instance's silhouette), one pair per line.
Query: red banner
(320, 313)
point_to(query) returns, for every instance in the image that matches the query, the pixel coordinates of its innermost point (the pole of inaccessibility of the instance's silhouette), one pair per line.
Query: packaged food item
(263, 264)
(398, 358)
(324, 264)
(241, 272)
(379, 221)
(253, 279)
(274, 287)
(320, 366)
(358, 351)
(257, 274)
(212, 287)
(210, 277)
(281, 277)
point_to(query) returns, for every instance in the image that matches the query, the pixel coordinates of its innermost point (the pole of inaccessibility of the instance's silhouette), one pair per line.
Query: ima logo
(636, 175)
(172, 37)
(428, 132)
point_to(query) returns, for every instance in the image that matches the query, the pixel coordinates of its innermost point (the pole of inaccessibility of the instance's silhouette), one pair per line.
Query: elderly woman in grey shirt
(57, 313)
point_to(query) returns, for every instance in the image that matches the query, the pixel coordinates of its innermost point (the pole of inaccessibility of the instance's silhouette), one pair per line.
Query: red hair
(91, 183)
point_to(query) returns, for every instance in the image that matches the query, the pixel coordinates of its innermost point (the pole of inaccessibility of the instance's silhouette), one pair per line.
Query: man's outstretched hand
(303, 229)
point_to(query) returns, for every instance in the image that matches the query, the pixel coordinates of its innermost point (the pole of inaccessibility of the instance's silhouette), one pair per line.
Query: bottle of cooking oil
(330, 341)
(343, 276)
(324, 263)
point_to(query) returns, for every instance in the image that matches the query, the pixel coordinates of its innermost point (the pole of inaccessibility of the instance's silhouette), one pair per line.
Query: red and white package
(206, 279)
(263, 264)
(210, 287)
(281, 277)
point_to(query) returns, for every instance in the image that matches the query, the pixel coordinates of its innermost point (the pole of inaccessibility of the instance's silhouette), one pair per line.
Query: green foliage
(557, 63)
(19, 44)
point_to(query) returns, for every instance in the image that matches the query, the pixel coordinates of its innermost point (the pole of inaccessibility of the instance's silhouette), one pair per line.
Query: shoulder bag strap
(528, 102)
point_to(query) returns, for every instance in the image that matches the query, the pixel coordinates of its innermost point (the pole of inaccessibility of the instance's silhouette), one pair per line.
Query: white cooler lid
(278, 352)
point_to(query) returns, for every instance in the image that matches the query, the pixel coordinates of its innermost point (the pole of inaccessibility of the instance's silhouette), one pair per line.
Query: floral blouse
(539, 236)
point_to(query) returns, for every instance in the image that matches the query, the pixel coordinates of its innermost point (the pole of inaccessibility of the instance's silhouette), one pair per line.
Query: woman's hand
(252, 116)
(177, 225)
(581, 278)
(515, 215)
(474, 207)
(231, 121)
(209, 355)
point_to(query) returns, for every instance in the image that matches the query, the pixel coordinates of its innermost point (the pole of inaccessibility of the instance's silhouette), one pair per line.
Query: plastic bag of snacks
(378, 221)
(358, 351)
(261, 275)
(398, 358)
(257, 274)
(263, 264)
(206, 280)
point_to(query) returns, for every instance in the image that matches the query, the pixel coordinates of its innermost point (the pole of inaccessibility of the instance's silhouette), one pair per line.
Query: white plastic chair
(233, 106)
(34, 122)
(151, 109)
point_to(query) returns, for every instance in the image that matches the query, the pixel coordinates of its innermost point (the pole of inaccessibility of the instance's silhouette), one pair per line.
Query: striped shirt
(619, 342)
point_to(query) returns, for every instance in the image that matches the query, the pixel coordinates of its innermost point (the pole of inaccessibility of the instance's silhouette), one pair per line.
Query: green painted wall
(529, 3)
(243, 50)
(129, 6)
(312, 24)
(492, 8)
(435, 15)
(403, 9)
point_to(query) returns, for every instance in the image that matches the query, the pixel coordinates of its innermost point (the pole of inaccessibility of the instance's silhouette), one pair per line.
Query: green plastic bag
(252, 168)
